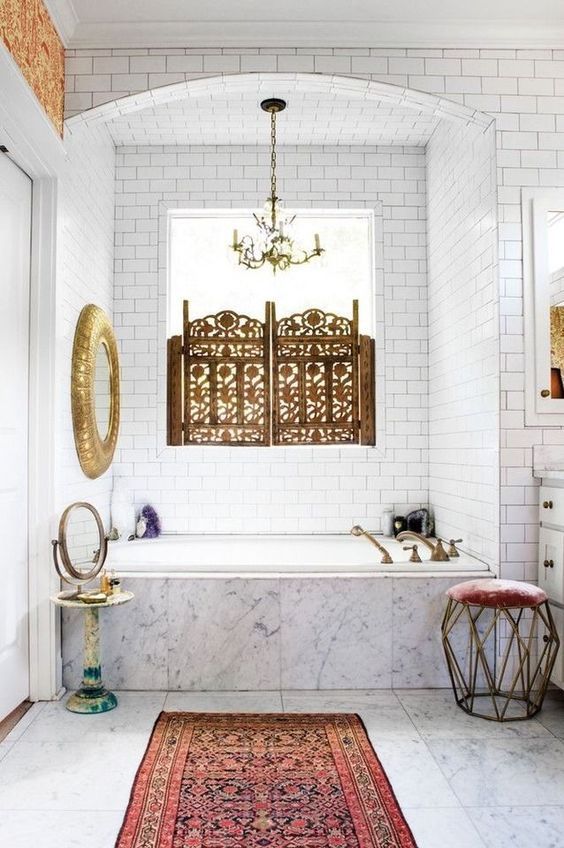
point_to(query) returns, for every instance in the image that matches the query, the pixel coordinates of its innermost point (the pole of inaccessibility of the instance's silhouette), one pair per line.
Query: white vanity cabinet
(551, 563)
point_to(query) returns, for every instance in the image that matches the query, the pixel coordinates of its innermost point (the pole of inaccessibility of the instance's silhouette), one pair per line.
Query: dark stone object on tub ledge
(420, 521)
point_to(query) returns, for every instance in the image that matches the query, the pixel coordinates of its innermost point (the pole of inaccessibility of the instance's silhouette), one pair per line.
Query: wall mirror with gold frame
(543, 265)
(95, 394)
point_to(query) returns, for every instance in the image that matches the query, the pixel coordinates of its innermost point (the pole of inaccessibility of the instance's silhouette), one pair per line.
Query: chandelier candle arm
(273, 243)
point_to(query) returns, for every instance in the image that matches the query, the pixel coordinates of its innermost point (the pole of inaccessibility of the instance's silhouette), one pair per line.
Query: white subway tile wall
(303, 489)
(85, 259)
(523, 90)
(463, 337)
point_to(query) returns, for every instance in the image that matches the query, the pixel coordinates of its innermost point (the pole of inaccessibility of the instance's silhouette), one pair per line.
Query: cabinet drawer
(558, 671)
(551, 505)
(551, 575)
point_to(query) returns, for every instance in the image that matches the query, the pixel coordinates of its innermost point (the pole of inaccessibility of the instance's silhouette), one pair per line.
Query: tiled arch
(357, 88)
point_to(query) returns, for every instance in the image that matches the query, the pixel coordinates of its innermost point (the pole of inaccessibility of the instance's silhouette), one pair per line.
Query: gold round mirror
(95, 391)
(102, 391)
(81, 545)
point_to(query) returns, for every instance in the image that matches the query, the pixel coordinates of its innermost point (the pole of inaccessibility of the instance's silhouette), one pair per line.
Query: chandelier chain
(273, 157)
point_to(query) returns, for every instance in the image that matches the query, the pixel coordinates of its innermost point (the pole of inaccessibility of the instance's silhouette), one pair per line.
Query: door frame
(34, 145)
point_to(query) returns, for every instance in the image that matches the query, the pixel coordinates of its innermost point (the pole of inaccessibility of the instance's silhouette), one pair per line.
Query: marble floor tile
(224, 702)
(338, 700)
(4, 748)
(133, 718)
(445, 828)
(436, 715)
(520, 827)
(552, 716)
(65, 829)
(415, 776)
(503, 772)
(380, 710)
(69, 775)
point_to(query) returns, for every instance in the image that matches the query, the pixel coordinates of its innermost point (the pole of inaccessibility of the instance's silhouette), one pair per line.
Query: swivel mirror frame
(93, 330)
(66, 568)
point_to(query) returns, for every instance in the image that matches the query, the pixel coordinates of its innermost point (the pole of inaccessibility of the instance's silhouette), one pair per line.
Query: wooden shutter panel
(367, 380)
(315, 378)
(174, 390)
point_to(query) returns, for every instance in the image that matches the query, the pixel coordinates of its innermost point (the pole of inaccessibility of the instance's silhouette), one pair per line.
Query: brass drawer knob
(545, 393)
(548, 563)
(547, 504)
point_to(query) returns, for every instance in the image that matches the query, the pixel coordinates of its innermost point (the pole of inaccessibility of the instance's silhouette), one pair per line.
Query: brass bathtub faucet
(357, 530)
(438, 553)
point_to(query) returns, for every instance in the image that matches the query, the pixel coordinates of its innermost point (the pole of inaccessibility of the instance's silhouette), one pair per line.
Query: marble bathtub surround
(274, 633)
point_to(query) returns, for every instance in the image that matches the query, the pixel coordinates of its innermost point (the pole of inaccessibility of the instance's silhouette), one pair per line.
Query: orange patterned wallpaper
(28, 32)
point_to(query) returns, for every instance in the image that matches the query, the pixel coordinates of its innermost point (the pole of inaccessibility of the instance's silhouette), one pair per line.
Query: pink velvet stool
(500, 644)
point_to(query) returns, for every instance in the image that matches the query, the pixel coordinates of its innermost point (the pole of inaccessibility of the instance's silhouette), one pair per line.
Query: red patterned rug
(262, 781)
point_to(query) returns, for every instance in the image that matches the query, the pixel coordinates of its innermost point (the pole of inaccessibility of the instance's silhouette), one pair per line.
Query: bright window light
(203, 268)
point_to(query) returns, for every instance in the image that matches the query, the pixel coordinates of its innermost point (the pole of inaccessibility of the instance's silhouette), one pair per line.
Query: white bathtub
(245, 555)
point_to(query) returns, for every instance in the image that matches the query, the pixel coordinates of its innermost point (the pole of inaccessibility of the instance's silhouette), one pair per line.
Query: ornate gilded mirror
(95, 394)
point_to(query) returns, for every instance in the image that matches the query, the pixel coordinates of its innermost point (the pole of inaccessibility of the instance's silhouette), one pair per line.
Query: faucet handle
(452, 551)
(414, 553)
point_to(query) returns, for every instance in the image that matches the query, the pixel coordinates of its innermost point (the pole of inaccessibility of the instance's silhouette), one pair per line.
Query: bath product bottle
(115, 584)
(104, 582)
(123, 513)
(388, 522)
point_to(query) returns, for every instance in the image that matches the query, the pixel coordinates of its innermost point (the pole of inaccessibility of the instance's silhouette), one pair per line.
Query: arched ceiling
(312, 117)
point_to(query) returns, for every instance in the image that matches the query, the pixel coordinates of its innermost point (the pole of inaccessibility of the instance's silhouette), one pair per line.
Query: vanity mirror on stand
(79, 554)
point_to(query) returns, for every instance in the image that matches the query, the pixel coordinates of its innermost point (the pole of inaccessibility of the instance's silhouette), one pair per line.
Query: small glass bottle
(388, 522)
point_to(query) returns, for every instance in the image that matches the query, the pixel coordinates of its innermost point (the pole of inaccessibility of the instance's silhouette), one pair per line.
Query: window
(256, 358)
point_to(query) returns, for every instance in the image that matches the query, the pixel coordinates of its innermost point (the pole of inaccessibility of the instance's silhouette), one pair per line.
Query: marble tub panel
(133, 640)
(336, 633)
(418, 607)
(223, 634)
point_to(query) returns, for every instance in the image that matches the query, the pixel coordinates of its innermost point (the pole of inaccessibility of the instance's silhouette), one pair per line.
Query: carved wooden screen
(226, 379)
(305, 379)
(315, 378)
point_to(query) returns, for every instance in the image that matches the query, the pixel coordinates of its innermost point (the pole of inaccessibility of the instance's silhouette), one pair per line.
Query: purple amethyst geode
(153, 528)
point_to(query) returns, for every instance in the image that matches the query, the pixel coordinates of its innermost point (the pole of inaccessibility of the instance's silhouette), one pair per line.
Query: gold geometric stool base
(500, 644)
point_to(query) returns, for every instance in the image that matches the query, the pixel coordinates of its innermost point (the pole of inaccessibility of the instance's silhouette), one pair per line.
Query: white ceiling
(311, 118)
(437, 23)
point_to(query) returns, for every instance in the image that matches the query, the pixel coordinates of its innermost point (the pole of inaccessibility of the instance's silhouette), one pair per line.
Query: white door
(15, 245)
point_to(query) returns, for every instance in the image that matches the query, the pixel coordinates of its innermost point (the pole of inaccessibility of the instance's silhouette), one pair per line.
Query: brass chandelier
(273, 243)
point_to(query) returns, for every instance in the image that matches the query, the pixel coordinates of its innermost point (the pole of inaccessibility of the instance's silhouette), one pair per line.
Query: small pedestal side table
(92, 697)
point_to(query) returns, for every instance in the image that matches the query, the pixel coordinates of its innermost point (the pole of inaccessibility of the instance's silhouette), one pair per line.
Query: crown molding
(508, 34)
(64, 17)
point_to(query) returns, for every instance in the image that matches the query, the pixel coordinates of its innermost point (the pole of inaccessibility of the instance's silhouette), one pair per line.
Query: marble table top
(111, 601)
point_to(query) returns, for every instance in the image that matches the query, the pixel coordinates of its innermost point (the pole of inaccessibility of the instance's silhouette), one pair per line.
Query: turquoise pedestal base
(90, 701)
(92, 697)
